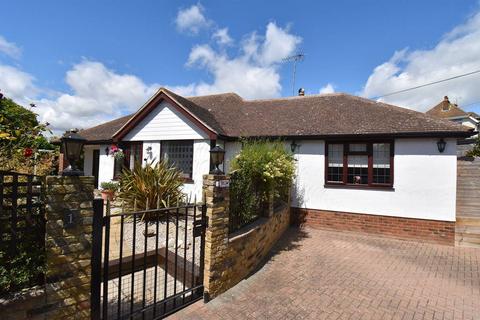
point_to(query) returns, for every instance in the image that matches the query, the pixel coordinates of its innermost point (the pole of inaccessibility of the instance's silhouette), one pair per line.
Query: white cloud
(98, 94)
(328, 88)
(254, 72)
(222, 37)
(9, 48)
(192, 19)
(15, 83)
(278, 44)
(456, 53)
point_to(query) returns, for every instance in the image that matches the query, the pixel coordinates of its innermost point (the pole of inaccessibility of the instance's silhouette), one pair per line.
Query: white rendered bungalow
(362, 165)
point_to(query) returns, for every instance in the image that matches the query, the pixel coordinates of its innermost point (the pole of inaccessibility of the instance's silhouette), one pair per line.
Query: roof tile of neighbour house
(446, 110)
(333, 115)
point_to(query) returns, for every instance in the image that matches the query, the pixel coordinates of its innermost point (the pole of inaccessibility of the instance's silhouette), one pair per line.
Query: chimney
(301, 92)
(445, 104)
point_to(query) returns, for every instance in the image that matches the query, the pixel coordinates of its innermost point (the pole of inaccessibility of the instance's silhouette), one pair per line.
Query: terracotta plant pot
(107, 195)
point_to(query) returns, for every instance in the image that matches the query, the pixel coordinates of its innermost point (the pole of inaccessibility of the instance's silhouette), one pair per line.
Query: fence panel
(22, 230)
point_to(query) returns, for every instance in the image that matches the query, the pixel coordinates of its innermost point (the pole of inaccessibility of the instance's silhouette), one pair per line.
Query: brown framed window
(367, 164)
(180, 154)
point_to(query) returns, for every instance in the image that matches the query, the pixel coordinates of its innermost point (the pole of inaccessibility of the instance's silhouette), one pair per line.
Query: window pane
(357, 169)
(180, 154)
(357, 147)
(335, 163)
(381, 163)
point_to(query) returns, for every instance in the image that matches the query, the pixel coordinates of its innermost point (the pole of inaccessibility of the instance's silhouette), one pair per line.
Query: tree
(21, 136)
(475, 151)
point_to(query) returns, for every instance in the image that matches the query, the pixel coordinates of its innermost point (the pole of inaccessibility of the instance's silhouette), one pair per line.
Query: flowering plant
(116, 152)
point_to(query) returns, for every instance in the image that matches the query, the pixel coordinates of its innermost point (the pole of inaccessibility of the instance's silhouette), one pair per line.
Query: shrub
(110, 185)
(158, 184)
(475, 152)
(25, 270)
(263, 170)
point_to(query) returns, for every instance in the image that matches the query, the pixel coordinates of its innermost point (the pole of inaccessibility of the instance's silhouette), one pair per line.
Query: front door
(96, 163)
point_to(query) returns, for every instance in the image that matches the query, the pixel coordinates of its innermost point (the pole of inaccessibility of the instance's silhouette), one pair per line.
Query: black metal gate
(146, 264)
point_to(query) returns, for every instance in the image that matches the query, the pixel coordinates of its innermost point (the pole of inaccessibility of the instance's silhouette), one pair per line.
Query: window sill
(188, 181)
(357, 186)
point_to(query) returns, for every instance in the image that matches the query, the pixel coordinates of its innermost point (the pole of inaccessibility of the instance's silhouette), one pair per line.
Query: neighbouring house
(362, 165)
(451, 111)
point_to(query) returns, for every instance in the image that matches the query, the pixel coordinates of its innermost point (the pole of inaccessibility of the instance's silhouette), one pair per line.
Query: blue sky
(84, 62)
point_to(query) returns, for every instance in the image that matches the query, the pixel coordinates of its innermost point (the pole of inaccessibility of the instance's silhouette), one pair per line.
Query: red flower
(28, 152)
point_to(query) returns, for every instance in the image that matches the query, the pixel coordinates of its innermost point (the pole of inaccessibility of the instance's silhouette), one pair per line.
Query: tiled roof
(334, 114)
(446, 110)
(104, 131)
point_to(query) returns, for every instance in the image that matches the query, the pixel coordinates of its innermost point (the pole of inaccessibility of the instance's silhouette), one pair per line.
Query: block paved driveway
(316, 274)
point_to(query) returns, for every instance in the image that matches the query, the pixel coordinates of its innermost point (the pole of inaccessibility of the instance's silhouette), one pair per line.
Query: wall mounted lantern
(294, 146)
(441, 144)
(72, 144)
(217, 156)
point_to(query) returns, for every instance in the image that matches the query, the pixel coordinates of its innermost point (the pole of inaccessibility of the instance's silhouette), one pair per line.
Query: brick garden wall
(248, 247)
(442, 232)
(229, 258)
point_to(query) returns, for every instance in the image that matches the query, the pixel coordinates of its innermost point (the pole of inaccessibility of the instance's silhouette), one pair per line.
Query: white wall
(106, 164)
(88, 159)
(201, 166)
(424, 183)
(165, 123)
(151, 157)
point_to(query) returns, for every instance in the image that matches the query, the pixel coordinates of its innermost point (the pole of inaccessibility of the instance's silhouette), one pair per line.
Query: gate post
(217, 197)
(69, 215)
(96, 258)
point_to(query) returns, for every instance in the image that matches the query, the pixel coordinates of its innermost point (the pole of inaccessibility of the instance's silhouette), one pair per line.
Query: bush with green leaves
(261, 171)
(23, 271)
(151, 186)
(21, 136)
(109, 185)
(475, 151)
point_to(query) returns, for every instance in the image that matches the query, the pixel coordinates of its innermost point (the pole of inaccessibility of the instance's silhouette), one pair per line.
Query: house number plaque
(223, 183)
(70, 218)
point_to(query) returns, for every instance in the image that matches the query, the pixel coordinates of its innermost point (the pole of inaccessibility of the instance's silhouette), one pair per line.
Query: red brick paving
(317, 274)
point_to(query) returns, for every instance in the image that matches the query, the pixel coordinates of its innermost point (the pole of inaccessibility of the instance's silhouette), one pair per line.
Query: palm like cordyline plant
(151, 186)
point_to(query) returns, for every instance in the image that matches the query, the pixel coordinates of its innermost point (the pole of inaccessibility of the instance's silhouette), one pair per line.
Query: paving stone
(319, 274)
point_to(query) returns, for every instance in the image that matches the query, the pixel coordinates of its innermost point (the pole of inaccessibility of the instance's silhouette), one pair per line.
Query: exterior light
(441, 144)
(72, 144)
(217, 155)
(294, 146)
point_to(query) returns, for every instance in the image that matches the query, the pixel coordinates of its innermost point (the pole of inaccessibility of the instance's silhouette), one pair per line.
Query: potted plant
(108, 190)
(116, 152)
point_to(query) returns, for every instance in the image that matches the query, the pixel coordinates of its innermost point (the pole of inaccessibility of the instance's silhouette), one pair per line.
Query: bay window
(367, 164)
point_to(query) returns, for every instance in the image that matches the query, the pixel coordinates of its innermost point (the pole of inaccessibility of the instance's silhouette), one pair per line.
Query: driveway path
(316, 274)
